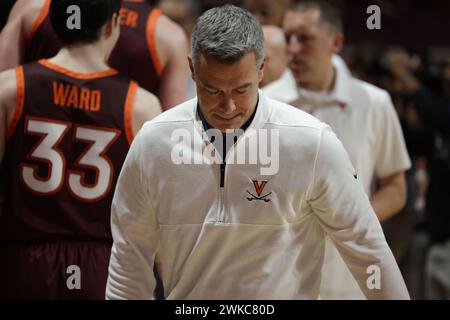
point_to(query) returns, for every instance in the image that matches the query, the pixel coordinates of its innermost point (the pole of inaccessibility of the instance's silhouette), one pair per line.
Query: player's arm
(134, 229)
(391, 197)
(8, 92)
(172, 46)
(344, 212)
(146, 107)
(392, 160)
(14, 36)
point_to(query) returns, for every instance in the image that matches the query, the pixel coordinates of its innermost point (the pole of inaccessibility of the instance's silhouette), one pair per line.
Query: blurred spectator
(409, 246)
(434, 111)
(268, 12)
(362, 116)
(275, 63)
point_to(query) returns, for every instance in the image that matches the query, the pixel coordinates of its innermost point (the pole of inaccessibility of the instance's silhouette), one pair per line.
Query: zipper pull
(222, 175)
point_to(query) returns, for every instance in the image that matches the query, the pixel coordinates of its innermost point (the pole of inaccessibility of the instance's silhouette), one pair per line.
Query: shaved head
(276, 59)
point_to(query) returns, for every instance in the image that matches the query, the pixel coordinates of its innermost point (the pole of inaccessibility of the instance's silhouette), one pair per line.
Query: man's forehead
(212, 73)
(218, 80)
(302, 19)
(209, 61)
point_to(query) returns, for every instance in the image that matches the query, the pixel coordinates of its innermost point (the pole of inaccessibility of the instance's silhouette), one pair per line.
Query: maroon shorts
(56, 270)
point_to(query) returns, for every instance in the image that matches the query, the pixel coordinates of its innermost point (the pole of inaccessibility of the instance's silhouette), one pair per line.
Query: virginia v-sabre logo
(259, 188)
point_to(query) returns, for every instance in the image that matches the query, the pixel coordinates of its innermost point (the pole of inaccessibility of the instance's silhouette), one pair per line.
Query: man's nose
(228, 105)
(293, 45)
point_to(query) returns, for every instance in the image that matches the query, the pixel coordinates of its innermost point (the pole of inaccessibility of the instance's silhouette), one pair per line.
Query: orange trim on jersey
(151, 41)
(77, 75)
(20, 99)
(44, 12)
(128, 115)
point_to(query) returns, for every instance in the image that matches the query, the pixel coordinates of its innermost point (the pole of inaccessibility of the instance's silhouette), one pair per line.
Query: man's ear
(191, 67)
(261, 70)
(109, 26)
(112, 23)
(337, 42)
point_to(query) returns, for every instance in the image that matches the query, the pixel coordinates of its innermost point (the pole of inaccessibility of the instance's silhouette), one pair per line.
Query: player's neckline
(77, 75)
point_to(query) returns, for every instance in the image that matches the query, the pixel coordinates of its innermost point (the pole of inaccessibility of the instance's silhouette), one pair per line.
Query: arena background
(421, 29)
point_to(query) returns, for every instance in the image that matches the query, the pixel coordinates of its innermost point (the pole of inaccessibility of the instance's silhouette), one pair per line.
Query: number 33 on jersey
(66, 144)
(97, 140)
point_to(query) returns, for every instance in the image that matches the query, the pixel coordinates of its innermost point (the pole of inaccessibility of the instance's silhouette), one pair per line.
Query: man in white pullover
(362, 116)
(251, 226)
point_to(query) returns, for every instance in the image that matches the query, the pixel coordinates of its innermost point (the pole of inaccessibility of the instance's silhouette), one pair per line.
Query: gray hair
(227, 33)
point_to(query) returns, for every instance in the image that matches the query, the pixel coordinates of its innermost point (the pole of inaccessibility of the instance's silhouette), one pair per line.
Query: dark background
(403, 22)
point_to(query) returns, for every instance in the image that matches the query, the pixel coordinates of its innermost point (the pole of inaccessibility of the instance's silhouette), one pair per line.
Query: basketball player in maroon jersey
(65, 128)
(151, 49)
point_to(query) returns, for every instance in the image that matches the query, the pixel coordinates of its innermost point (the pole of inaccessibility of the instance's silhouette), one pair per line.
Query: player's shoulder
(28, 11)
(146, 103)
(168, 32)
(145, 96)
(8, 85)
(8, 90)
(23, 7)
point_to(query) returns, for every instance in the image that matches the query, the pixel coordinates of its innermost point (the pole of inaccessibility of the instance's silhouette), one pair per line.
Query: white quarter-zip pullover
(260, 236)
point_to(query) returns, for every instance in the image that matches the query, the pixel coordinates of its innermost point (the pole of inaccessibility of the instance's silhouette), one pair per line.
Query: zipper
(223, 166)
(221, 214)
(222, 175)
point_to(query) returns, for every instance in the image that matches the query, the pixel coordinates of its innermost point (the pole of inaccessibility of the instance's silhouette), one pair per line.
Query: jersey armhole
(128, 114)
(44, 12)
(151, 40)
(20, 99)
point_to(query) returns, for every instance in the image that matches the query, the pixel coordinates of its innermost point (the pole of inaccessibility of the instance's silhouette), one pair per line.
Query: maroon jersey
(135, 54)
(65, 147)
(41, 41)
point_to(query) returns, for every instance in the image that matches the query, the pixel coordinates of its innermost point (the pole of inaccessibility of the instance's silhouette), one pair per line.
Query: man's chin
(302, 81)
(300, 76)
(226, 125)
(228, 129)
